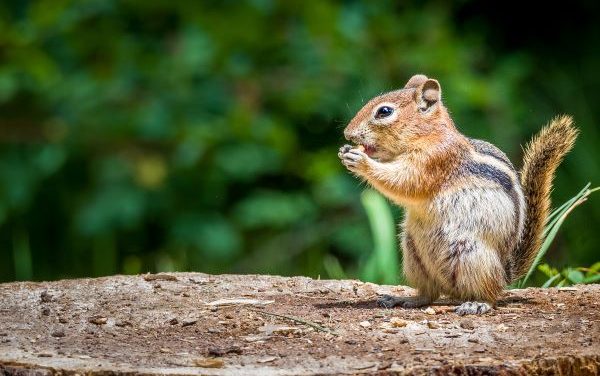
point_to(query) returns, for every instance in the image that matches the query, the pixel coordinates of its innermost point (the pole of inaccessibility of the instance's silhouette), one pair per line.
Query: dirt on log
(192, 323)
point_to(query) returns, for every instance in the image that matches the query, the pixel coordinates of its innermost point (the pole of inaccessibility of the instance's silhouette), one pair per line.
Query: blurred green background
(202, 135)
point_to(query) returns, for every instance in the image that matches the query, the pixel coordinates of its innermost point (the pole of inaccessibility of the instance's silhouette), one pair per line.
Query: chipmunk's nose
(351, 133)
(347, 134)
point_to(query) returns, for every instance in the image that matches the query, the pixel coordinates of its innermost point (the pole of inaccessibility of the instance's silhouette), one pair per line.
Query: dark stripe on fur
(489, 172)
(509, 269)
(458, 249)
(512, 240)
(486, 148)
(412, 249)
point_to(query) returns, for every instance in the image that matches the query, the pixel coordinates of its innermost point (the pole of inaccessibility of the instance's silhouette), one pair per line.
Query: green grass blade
(545, 245)
(551, 229)
(333, 267)
(555, 211)
(556, 214)
(551, 280)
(382, 266)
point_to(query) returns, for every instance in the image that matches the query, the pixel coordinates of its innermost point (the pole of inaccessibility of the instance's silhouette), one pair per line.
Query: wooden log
(192, 323)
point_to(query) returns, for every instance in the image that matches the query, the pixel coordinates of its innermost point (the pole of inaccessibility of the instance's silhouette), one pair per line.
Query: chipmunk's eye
(383, 112)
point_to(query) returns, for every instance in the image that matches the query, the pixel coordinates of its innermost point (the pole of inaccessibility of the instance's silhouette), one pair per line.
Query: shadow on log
(191, 323)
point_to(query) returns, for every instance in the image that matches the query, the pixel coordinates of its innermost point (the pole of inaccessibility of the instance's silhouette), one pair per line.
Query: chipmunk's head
(398, 121)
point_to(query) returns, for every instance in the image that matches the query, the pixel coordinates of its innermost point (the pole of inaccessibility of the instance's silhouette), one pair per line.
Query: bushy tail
(543, 154)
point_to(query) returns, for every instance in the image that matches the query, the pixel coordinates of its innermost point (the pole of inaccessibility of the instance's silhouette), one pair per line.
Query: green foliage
(199, 135)
(570, 276)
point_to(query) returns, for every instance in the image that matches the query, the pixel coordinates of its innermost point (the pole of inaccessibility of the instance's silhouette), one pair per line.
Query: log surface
(193, 323)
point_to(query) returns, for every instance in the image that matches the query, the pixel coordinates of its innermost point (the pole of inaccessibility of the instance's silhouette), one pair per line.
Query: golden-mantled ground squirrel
(472, 225)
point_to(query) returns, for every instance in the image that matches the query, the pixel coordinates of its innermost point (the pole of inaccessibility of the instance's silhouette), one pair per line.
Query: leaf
(591, 279)
(547, 270)
(575, 276)
(595, 268)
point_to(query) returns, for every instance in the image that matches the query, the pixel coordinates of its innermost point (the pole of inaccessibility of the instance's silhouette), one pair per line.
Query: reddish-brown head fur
(419, 120)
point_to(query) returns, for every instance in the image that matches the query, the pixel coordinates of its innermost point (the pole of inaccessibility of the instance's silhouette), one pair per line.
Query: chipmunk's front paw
(354, 159)
(472, 308)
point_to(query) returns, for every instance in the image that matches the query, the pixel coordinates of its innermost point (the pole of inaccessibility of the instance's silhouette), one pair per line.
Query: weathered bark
(182, 323)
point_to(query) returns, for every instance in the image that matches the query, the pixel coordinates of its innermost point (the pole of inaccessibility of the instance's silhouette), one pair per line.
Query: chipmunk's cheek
(384, 155)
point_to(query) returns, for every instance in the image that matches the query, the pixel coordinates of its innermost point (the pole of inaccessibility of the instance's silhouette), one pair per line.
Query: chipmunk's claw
(354, 159)
(344, 149)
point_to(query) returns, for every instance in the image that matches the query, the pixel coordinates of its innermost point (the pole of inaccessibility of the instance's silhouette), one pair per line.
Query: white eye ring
(386, 116)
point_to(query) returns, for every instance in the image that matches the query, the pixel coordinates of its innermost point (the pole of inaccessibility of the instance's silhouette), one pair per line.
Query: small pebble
(429, 311)
(215, 351)
(45, 297)
(188, 322)
(209, 362)
(58, 333)
(397, 322)
(98, 320)
(268, 359)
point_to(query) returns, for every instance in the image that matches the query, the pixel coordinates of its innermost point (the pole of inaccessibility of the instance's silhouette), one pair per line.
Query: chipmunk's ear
(415, 81)
(428, 94)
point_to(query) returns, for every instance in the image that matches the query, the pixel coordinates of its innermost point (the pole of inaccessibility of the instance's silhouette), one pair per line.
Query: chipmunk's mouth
(369, 150)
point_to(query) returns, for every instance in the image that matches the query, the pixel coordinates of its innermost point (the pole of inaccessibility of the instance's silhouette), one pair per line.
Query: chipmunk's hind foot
(390, 301)
(473, 308)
